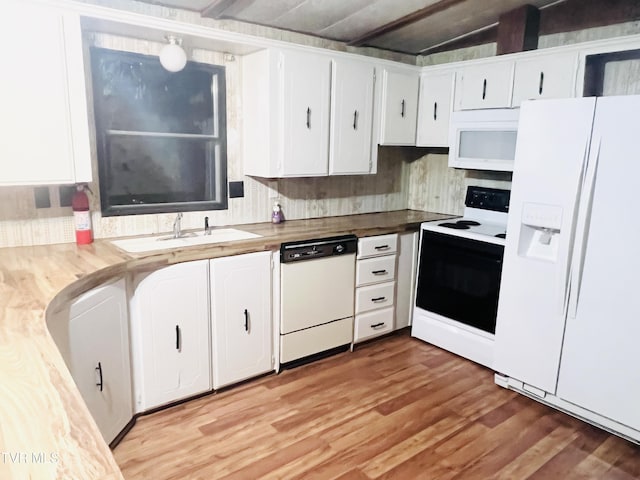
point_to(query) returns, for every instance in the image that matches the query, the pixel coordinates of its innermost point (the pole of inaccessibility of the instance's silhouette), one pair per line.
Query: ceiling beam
(404, 21)
(518, 30)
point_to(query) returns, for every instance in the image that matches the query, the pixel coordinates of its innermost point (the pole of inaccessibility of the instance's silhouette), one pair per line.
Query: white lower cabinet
(99, 356)
(375, 286)
(241, 317)
(170, 334)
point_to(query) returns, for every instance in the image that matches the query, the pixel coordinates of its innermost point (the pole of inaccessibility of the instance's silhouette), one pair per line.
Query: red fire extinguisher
(82, 215)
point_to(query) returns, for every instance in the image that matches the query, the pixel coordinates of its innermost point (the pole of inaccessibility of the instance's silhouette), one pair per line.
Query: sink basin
(166, 241)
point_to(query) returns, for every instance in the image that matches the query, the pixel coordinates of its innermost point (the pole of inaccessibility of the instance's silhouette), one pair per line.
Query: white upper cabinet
(45, 135)
(306, 114)
(485, 85)
(351, 117)
(306, 83)
(170, 334)
(434, 109)
(399, 114)
(546, 76)
(99, 356)
(241, 317)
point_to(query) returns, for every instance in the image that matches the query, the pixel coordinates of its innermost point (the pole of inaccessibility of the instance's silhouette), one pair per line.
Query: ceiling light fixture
(172, 56)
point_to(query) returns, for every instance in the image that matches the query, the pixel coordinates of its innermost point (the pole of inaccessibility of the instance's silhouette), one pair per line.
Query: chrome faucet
(207, 229)
(177, 231)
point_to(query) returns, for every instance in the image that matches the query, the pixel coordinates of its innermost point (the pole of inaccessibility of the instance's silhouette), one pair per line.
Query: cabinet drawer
(378, 245)
(375, 270)
(372, 324)
(374, 297)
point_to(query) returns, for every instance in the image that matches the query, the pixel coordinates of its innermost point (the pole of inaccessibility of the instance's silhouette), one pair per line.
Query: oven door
(459, 278)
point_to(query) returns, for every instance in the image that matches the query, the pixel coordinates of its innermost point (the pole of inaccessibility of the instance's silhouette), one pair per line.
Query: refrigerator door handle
(566, 266)
(582, 233)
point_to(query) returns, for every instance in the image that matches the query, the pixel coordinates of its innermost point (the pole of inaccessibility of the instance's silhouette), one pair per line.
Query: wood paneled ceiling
(407, 26)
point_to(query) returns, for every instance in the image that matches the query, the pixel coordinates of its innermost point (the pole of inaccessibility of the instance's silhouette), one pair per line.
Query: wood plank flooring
(396, 408)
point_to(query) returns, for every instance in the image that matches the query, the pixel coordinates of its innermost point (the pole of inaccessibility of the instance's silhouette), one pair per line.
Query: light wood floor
(396, 408)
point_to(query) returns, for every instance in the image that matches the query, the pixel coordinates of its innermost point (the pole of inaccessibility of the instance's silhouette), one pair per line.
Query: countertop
(46, 431)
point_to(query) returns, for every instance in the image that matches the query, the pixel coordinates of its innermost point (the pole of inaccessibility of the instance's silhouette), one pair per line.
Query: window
(161, 136)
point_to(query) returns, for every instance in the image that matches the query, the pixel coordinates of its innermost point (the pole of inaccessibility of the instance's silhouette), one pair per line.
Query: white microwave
(483, 139)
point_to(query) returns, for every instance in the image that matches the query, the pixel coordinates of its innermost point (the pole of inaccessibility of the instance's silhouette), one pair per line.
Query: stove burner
(501, 235)
(471, 223)
(456, 226)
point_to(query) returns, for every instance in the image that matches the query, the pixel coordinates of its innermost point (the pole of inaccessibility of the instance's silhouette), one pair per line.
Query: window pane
(134, 93)
(147, 170)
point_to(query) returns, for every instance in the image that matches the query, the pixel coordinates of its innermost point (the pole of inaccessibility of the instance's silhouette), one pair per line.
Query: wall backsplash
(435, 187)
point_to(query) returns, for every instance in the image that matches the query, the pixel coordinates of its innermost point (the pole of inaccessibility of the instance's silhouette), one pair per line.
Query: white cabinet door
(306, 83)
(241, 317)
(549, 76)
(45, 137)
(351, 117)
(487, 85)
(99, 356)
(170, 329)
(399, 107)
(406, 278)
(434, 109)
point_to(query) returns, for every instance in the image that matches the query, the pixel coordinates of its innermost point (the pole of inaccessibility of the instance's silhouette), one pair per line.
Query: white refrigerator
(568, 325)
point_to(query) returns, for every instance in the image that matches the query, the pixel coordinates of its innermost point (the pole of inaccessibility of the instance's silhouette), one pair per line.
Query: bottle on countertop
(277, 216)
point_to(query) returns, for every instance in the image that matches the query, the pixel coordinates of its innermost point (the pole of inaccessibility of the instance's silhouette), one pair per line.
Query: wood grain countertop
(46, 431)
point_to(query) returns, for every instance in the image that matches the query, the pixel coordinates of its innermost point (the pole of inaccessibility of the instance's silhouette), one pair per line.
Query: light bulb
(172, 57)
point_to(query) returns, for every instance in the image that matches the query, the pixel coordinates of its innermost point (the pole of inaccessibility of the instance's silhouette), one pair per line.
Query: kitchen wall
(403, 181)
(22, 224)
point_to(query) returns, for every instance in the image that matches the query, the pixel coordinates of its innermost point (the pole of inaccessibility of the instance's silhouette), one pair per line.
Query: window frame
(216, 168)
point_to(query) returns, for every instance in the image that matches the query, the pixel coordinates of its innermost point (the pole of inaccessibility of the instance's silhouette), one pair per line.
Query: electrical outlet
(65, 192)
(42, 197)
(236, 189)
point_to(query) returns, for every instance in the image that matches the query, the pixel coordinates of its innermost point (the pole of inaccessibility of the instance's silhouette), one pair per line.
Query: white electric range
(459, 275)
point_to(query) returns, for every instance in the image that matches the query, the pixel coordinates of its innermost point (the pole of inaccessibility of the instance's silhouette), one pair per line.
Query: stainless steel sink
(167, 241)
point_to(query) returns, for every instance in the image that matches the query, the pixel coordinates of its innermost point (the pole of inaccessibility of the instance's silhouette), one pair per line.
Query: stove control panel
(485, 198)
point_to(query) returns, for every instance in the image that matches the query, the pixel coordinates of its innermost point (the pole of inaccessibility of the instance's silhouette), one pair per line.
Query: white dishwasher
(317, 296)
